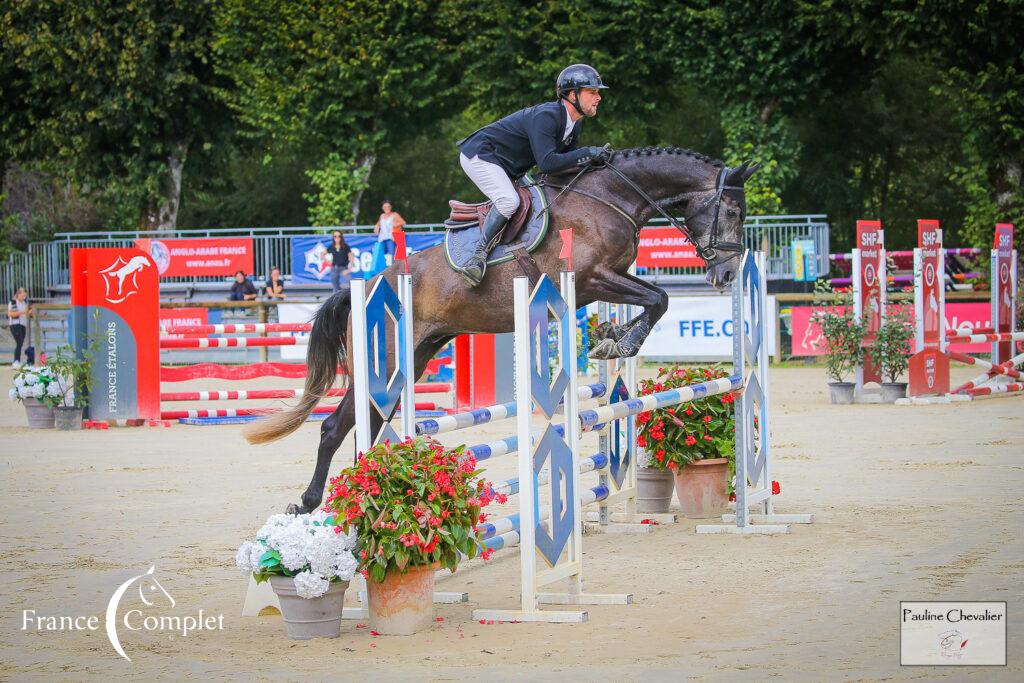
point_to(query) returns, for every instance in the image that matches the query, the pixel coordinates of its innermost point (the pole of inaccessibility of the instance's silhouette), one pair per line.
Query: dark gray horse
(605, 207)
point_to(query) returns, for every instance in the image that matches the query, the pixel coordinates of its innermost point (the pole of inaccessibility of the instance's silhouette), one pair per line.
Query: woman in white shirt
(18, 312)
(386, 225)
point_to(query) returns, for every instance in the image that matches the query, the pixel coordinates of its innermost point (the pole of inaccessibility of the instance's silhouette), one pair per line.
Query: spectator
(18, 313)
(385, 227)
(242, 289)
(342, 259)
(275, 285)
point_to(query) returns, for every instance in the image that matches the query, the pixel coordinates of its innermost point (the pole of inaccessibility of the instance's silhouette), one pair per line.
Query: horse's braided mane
(651, 151)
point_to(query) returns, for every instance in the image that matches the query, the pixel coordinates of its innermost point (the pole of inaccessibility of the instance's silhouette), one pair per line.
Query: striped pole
(997, 389)
(232, 342)
(970, 330)
(992, 370)
(251, 394)
(661, 399)
(501, 411)
(237, 328)
(982, 338)
(510, 537)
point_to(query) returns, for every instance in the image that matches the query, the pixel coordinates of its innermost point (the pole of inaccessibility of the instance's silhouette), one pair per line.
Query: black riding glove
(594, 155)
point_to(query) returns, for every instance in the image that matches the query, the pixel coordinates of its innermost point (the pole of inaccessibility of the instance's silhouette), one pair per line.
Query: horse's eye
(732, 213)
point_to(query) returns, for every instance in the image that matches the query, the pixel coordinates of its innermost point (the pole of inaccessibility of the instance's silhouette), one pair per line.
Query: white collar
(569, 123)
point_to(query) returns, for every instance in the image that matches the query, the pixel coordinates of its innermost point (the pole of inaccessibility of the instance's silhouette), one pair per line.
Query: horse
(605, 206)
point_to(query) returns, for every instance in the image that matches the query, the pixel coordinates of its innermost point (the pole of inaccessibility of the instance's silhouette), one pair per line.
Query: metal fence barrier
(45, 266)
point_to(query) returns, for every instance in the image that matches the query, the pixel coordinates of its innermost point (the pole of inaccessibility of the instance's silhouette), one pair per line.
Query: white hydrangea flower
(310, 585)
(25, 392)
(347, 565)
(243, 558)
(38, 391)
(19, 381)
(53, 390)
(13, 394)
(293, 556)
(30, 379)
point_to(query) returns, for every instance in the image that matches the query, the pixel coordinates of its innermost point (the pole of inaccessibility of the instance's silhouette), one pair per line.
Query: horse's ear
(749, 169)
(735, 176)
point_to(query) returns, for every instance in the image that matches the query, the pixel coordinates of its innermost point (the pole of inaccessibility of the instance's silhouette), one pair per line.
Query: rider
(545, 135)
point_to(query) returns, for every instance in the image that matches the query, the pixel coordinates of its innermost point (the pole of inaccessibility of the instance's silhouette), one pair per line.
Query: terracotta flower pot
(403, 603)
(701, 487)
(653, 489)
(306, 618)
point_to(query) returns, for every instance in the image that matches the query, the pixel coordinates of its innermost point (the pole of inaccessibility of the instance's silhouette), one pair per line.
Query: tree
(339, 78)
(112, 97)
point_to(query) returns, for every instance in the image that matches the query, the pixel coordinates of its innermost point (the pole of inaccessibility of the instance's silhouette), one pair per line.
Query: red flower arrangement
(412, 503)
(692, 431)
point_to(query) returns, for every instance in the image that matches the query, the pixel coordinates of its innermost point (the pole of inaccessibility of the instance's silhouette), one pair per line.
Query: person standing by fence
(342, 260)
(385, 227)
(18, 313)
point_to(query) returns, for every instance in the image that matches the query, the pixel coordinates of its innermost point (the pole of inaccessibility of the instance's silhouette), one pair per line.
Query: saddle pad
(460, 242)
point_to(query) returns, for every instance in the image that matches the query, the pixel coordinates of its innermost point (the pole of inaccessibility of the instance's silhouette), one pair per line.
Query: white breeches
(493, 182)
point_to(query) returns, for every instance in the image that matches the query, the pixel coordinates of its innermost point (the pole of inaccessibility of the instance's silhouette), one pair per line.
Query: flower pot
(403, 603)
(893, 391)
(40, 415)
(67, 419)
(306, 618)
(702, 486)
(653, 489)
(842, 392)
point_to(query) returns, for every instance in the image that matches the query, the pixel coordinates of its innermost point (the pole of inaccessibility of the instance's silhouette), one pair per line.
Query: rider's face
(589, 99)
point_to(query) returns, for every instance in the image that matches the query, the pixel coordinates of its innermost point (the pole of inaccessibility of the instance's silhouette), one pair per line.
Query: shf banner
(114, 301)
(666, 248)
(699, 328)
(309, 254)
(196, 257)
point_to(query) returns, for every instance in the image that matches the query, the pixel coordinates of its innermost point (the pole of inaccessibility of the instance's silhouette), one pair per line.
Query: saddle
(524, 233)
(465, 215)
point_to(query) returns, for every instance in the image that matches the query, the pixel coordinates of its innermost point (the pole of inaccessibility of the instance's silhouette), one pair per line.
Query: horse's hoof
(606, 350)
(292, 509)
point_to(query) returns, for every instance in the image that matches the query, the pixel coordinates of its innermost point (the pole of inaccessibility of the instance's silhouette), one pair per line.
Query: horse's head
(715, 223)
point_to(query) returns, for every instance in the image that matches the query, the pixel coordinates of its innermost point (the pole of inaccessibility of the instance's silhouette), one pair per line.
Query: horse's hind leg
(333, 431)
(626, 289)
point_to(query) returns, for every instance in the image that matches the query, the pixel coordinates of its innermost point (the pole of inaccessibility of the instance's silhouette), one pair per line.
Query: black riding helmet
(575, 77)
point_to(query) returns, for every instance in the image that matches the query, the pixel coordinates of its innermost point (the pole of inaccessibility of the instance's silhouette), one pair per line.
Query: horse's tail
(326, 349)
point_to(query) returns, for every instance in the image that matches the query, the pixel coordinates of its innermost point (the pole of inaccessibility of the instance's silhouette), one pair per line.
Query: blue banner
(309, 254)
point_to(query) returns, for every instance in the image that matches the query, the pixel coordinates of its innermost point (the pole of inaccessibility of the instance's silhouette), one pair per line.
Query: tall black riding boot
(490, 234)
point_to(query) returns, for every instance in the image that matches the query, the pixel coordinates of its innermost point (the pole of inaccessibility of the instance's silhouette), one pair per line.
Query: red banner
(195, 257)
(807, 339)
(666, 248)
(177, 317)
(1002, 283)
(114, 299)
(871, 279)
(933, 279)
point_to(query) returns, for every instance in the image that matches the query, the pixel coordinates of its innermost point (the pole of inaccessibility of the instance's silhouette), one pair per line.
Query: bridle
(712, 253)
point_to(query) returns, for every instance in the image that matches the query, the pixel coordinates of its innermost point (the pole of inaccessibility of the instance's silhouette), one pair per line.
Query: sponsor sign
(808, 340)
(700, 328)
(933, 280)
(804, 263)
(200, 257)
(870, 292)
(666, 248)
(114, 299)
(309, 254)
(177, 317)
(1003, 281)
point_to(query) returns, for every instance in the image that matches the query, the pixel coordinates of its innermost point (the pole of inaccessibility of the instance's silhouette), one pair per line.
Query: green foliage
(843, 339)
(891, 347)
(339, 182)
(73, 375)
(110, 97)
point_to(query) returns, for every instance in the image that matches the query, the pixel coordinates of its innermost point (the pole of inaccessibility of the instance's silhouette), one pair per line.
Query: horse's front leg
(618, 288)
